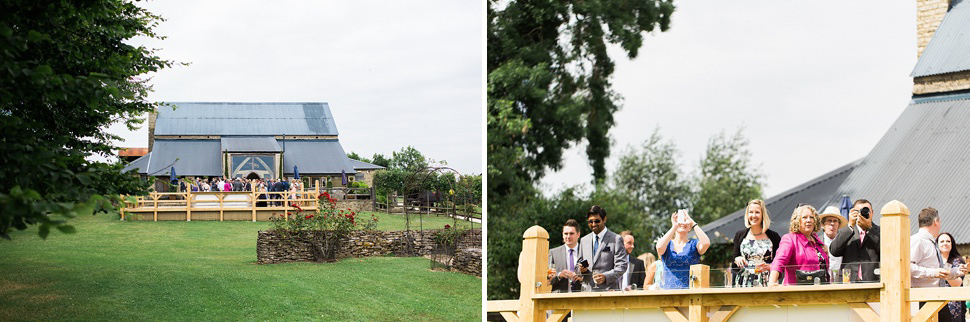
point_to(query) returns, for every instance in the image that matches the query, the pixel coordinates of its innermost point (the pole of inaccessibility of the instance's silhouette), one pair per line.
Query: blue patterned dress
(678, 264)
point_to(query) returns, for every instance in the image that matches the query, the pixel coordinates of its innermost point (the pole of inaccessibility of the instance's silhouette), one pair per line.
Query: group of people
(817, 248)
(240, 184)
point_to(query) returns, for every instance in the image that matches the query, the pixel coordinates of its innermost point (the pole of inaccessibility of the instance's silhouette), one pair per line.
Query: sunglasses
(594, 221)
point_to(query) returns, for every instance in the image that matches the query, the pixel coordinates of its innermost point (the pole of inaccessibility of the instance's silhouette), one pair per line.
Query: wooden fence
(232, 205)
(703, 304)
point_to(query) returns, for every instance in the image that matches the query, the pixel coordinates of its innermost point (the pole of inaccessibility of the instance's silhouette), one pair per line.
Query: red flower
(309, 216)
(447, 226)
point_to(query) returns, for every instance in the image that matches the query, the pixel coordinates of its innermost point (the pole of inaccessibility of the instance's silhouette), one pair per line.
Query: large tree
(727, 179)
(651, 177)
(549, 88)
(67, 71)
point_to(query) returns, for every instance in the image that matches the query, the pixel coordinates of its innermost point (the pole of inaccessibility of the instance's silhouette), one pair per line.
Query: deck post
(188, 204)
(533, 265)
(894, 262)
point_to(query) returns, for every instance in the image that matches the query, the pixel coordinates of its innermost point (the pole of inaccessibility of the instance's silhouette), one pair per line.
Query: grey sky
(815, 84)
(394, 73)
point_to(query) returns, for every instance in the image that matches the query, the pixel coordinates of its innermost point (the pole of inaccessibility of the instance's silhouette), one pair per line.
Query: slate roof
(233, 118)
(190, 158)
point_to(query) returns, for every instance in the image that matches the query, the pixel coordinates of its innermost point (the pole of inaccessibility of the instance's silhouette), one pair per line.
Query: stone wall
(941, 83)
(271, 247)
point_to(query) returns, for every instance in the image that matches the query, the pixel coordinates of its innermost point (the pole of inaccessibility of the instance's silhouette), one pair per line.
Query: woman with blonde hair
(755, 246)
(801, 255)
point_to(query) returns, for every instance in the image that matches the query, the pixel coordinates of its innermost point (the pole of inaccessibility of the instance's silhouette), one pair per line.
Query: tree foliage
(548, 88)
(381, 160)
(409, 159)
(651, 177)
(727, 179)
(548, 63)
(355, 156)
(67, 73)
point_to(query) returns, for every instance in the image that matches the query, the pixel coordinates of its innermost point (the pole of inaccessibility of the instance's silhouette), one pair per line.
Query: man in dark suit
(563, 259)
(635, 272)
(604, 251)
(858, 244)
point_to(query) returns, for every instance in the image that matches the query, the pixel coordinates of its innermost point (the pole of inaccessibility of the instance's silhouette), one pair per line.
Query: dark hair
(860, 201)
(596, 210)
(572, 223)
(927, 216)
(954, 253)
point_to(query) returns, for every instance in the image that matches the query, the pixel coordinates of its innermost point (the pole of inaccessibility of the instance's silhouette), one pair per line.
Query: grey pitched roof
(361, 165)
(214, 118)
(190, 158)
(949, 49)
(815, 192)
(315, 157)
(249, 144)
(922, 161)
(140, 165)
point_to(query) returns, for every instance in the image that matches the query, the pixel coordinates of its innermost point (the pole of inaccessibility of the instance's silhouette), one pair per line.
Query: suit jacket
(559, 259)
(610, 259)
(638, 272)
(846, 244)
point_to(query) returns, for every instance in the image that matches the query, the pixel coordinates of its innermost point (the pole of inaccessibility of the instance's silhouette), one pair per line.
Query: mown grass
(113, 270)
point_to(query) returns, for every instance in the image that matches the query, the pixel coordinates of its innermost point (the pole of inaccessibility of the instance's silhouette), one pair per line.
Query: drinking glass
(846, 273)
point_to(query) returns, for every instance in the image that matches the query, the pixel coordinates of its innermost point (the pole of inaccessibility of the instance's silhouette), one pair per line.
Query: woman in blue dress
(679, 253)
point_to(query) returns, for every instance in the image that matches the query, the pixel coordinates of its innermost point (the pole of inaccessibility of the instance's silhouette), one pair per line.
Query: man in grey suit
(605, 252)
(563, 259)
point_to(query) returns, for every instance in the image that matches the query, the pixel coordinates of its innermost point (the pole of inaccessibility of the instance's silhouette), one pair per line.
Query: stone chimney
(151, 129)
(929, 15)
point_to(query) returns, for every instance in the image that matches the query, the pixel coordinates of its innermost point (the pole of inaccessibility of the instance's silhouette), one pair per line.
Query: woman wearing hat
(832, 221)
(754, 246)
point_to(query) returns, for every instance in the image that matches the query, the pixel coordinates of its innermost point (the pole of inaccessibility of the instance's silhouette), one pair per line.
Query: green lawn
(113, 270)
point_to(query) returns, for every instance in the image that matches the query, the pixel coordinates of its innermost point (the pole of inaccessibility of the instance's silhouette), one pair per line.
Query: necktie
(939, 257)
(862, 236)
(596, 245)
(572, 262)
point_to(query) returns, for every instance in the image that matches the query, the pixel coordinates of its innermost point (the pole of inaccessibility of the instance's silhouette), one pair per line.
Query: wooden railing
(703, 304)
(221, 202)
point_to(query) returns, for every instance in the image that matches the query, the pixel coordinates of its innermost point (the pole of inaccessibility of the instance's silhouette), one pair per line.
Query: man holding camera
(563, 260)
(604, 251)
(858, 244)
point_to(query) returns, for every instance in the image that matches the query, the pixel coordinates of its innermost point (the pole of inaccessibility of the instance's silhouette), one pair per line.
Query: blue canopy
(343, 177)
(296, 173)
(171, 175)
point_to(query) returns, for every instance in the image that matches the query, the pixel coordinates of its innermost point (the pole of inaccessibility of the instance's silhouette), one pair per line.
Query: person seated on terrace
(678, 253)
(801, 255)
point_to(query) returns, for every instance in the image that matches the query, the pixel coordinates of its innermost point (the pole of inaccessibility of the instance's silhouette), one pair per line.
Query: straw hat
(833, 211)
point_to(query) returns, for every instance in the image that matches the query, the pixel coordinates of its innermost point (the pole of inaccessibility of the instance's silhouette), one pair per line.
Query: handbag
(807, 277)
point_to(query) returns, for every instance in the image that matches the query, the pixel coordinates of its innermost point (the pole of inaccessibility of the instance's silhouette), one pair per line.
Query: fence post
(700, 277)
(373, 199)
(533, 264)
(188, 204)
(155, 203)
(894, 262)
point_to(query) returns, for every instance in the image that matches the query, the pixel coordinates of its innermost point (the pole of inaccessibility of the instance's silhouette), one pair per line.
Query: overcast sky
(394, 73)
(815, 84)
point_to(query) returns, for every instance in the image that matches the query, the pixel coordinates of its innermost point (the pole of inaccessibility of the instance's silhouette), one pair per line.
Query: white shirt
(575, 255)
(834, 261)
(924, 260)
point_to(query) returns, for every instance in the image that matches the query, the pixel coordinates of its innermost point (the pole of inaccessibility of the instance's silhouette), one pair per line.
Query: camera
(864, 212)
(583, 262)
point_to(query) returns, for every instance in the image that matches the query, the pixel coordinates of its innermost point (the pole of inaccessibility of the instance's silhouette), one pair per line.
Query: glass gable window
(247, 166)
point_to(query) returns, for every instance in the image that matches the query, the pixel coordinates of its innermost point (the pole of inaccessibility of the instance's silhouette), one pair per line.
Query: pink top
(795, 253)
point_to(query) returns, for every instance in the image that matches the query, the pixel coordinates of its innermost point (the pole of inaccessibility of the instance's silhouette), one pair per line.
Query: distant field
(113, 270)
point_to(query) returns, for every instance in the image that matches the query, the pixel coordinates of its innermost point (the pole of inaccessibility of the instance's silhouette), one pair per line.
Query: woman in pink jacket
(800, 249)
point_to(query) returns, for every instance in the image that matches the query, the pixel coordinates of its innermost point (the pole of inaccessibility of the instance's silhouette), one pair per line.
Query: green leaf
(34, 36)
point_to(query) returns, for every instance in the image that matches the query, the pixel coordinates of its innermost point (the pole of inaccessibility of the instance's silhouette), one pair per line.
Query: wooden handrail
(893, 292)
